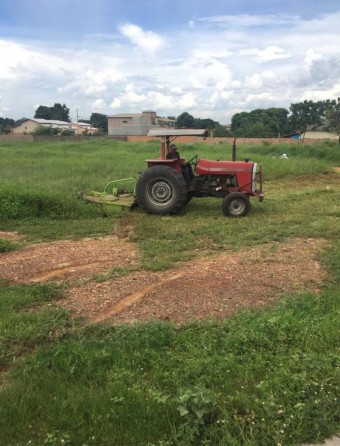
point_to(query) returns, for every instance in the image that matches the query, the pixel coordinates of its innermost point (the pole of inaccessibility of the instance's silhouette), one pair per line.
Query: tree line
(259, 123)
(273, 122)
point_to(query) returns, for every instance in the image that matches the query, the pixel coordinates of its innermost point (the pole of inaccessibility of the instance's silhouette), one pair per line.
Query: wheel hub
(237, 206)
(161, 192)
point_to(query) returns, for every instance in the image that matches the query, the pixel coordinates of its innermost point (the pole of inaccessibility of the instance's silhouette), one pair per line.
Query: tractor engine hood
(207, 167)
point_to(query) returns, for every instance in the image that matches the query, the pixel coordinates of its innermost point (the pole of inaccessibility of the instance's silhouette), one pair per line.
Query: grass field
(264, 378)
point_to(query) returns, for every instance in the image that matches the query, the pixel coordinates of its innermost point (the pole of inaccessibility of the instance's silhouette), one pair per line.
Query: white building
(136, 124)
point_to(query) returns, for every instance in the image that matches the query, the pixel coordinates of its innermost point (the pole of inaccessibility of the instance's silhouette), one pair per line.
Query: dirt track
(213, 287)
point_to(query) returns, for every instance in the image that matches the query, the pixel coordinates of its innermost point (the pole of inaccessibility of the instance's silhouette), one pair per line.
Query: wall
(115, 123)
(16, 137)
(135, 124)
(148, 118)
(26, 127)
(181, 139)
(75, 138)
(239, 141)
(319, 134)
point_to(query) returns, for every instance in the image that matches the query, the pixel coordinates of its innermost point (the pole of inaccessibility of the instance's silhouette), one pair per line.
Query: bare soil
(206, 288)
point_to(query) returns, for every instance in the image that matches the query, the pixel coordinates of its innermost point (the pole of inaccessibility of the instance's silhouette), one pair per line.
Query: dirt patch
(209, 287)
(205, 288)
(65, 260)
(11, 236)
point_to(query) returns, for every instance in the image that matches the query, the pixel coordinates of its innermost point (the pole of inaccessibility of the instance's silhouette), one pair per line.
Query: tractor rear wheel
(235, 205)
(161, 190)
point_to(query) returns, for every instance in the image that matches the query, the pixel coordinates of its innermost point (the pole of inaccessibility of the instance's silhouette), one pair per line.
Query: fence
(179, 139)
(230, 140)
(16, 137)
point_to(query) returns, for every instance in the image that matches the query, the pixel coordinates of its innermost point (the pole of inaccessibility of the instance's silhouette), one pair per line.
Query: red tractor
(170, 182)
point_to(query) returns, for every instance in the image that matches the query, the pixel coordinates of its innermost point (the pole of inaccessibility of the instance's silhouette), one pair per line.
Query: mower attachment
(113, 199)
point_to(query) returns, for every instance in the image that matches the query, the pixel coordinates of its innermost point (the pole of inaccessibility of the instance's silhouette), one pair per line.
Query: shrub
(46, 131)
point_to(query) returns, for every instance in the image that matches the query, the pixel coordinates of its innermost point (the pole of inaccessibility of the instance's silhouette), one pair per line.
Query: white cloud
(99, 104)
(91, 82)
(146, 40)
(160, 100)
(267, 99)
(196, 83)
(21, 62)
(187, 101)
(311, 56)
(265, 79)
(320, 95)
(267, 54)
(116, 103)
(131, 96)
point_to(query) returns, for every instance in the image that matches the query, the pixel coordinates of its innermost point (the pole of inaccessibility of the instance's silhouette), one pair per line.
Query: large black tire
(161, 190)
(235, 205)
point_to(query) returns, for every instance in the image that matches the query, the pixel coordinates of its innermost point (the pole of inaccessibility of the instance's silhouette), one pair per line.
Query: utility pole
(77, 122)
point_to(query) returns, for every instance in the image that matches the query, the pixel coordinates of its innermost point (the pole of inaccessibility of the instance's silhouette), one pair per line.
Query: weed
(197, 411)
(55, 438)
(113, 273)
(6, 245)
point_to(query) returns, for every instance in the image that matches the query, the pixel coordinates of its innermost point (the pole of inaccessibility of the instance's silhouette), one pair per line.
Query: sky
(210, 58)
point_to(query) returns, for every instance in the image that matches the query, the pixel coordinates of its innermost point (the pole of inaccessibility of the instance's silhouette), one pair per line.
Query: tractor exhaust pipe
(234, 150)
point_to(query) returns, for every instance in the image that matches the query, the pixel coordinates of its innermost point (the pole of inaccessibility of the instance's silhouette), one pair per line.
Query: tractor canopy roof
(177, 132)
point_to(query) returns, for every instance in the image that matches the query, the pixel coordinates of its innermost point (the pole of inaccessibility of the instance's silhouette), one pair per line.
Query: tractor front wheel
(161, 190)
(235, 205)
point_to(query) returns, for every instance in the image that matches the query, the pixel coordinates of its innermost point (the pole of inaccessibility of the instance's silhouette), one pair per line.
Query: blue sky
(211, 58)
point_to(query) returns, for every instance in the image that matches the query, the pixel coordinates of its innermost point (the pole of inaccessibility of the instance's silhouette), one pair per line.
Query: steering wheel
(193, 160)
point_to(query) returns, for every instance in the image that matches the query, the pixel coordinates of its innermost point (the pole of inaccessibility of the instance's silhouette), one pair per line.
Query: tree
(260, 123)
(306, 113)
(333, 116)
(43, 112)
(204, 123)
(239, 123)
(279, 122)
(58, 112)
(6, 121)
(5, 125)
(185, 120)
(220, 131)
(5, 129)
(99, 121)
